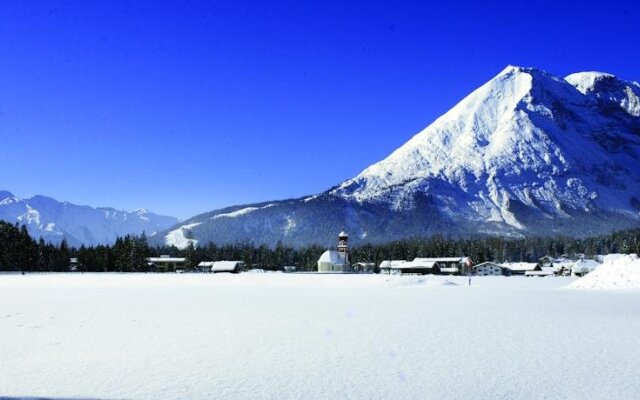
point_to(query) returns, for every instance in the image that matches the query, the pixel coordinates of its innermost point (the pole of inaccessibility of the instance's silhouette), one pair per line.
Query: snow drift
(619, 271)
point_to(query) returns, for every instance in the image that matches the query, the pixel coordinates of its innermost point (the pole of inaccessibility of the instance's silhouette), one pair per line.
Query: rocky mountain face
(527, 153)
(53, 220)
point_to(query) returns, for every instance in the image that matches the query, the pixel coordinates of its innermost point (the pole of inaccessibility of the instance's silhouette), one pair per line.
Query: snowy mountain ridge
(511, 140)
(53, 220)
(527, 153)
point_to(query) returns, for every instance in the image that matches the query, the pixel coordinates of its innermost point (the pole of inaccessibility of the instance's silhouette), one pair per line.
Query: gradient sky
(187, 106)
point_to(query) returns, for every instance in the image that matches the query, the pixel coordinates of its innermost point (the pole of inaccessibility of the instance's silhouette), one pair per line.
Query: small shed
(225, 266)
(364, 267)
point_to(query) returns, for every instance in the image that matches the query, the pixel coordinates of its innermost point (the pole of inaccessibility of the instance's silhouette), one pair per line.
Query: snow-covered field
(278, 336)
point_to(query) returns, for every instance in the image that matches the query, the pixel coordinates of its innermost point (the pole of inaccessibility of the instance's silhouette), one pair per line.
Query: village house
(490, 268)
(387, 266)
(417, 266)
(450, 265)
(546, 261)
(519, 268)
(441, 265)
(166, 263)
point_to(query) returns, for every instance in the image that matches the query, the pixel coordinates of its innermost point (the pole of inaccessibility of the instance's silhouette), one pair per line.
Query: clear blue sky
(187, 106)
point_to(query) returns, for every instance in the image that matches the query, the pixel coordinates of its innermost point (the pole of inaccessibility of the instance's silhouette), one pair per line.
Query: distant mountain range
(527, 153)
(53, 220)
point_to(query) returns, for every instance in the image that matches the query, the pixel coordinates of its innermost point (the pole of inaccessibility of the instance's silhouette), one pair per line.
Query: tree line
(20, 252)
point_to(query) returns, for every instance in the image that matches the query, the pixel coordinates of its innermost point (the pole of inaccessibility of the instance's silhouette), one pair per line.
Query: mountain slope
(54, 220)
(527, 153)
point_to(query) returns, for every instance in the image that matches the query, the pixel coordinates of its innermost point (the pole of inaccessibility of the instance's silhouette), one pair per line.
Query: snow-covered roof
(333, 257)
(166, 259)
(443, 259)
(520, 266)
(391, 263)
(206, 263)
(582, 266)
(415, 265)
(487, 263)
(563, 263)
(222, 266)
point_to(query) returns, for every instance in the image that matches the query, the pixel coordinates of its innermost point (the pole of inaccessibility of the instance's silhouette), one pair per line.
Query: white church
(336, 260)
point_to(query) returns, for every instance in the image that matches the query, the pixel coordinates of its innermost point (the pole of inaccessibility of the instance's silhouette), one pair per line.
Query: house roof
(520, 266)
(415, 265)
(487, 263)
(443, 259)
(391, 263)
(219, 266)
(206, 264)
(166, 259)
(584, 265)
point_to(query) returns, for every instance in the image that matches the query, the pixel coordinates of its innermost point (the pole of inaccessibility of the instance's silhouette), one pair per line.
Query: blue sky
(187, 106)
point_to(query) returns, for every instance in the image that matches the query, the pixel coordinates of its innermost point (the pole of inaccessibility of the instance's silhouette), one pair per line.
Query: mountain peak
(525, 125)
(5, 194)
(586, 81)
(608, 90)
(53, 220)
(525, 154)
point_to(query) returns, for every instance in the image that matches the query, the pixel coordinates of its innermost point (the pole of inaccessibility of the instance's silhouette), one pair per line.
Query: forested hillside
(20, 252)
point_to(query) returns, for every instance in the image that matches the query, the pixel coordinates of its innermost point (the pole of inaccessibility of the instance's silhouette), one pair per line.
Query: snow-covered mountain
(54, 220)
(527, 153)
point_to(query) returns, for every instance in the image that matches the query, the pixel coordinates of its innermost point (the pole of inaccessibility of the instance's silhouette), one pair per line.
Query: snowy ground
(252, 336)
